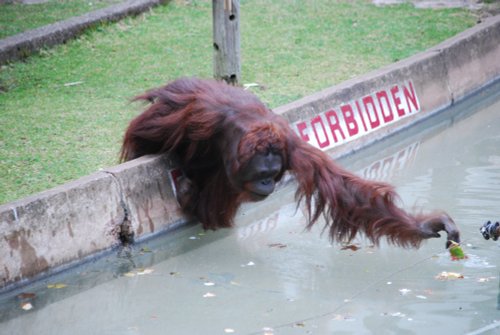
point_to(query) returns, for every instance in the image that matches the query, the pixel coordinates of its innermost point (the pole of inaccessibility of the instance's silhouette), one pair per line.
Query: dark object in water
(490, 230)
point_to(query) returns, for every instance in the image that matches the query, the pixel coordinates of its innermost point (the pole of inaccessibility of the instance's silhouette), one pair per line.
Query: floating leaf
(277, 245)
(228, 330)
(398, 314)
(145, 249)
(484, 279)
(449, 276)
(209, 295)
(139, 272)
(404, 291)
(340, 317)
(394, 314)
(351, 247)
(300, 324)
(145, 271)
(456, 251)
(26, 295)
(268, 330)
(57, 285)
(26, 306)
(248, 264)
(209, 283)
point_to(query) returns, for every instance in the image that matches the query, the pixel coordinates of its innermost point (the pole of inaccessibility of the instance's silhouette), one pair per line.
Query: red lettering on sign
(301, 127)
(314, 122)
(385, 109)
(350, 121)
(361, 116)
(397, 100)
(374, 121)
(334, 126)
(410, 95)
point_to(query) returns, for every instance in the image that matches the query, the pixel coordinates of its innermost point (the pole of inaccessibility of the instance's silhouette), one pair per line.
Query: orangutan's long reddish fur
(215, 129)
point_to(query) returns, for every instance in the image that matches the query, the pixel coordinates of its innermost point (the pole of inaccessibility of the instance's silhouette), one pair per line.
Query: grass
(52, 132)
(17, 17)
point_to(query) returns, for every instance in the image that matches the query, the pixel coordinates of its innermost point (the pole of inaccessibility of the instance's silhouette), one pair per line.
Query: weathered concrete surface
(24, 44)
(147, 194)
(77, 219)
(58, 226)
(65, 224)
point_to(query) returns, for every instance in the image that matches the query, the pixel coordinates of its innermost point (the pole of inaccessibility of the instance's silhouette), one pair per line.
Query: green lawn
(63, 112)
(16, 17)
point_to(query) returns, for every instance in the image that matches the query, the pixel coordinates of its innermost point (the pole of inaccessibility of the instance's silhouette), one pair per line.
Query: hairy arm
(351, 204)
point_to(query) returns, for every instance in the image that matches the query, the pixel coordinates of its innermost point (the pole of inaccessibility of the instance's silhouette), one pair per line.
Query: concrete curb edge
(22, 45)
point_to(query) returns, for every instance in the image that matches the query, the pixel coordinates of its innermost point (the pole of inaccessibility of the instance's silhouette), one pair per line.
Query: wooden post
(226, 30)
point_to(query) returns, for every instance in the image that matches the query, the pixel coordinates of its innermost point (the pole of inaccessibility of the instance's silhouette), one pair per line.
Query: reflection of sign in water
(268, 224)
(384, 168)
(358, 117)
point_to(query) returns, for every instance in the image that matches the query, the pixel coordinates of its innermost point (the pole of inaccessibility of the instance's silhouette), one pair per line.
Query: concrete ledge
(48, 230)
(147, 194)
(58, 226)
(24, 44)
(80, 218)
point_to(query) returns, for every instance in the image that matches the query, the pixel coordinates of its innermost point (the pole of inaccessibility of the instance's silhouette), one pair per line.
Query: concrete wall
(65, 224)
(68, 223)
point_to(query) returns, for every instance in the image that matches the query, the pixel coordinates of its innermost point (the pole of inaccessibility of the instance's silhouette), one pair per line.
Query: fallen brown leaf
(350, 247)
